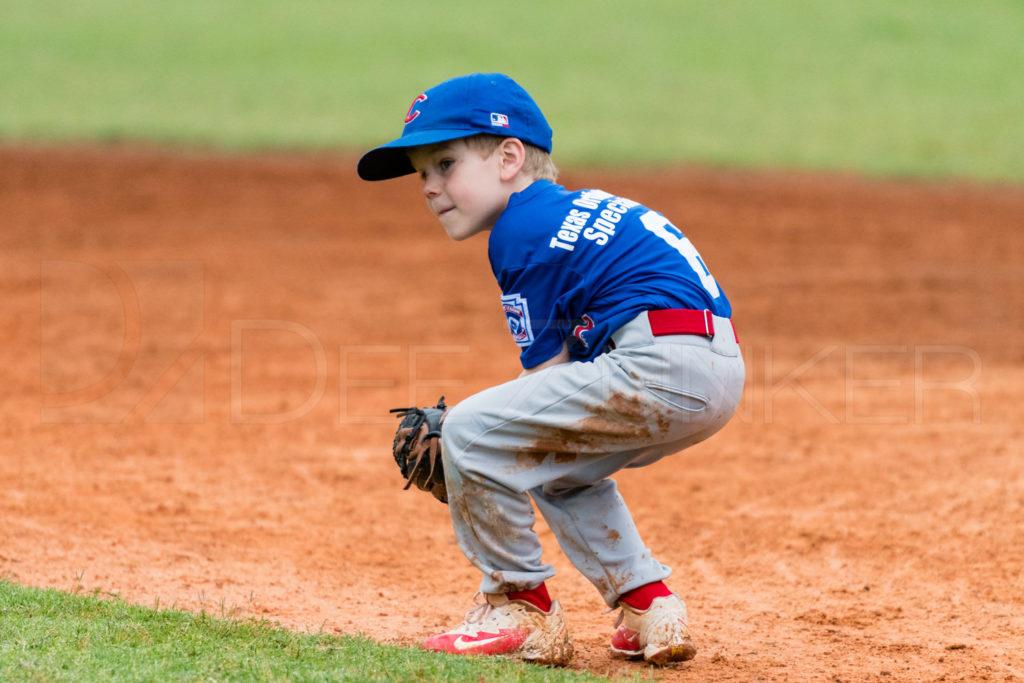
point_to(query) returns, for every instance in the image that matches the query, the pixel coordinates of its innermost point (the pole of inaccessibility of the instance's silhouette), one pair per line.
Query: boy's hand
(417, 448)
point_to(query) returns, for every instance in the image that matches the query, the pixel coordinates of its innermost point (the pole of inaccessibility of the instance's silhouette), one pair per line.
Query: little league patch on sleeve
(518, 316)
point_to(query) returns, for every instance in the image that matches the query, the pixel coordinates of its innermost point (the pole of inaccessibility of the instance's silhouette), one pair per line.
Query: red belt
(667, 321)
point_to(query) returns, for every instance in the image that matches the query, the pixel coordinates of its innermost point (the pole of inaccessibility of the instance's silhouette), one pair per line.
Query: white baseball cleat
(658, 634)
(499, 626)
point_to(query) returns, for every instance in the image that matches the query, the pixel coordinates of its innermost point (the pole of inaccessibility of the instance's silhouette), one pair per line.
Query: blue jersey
(577, 266)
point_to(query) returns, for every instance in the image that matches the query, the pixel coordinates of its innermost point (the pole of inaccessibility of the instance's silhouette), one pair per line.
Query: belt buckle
(709, 324)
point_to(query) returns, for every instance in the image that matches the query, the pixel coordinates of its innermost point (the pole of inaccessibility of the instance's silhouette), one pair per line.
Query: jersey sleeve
(540, 301)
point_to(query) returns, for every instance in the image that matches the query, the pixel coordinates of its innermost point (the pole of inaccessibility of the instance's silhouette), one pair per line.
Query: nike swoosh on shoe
(462, 643)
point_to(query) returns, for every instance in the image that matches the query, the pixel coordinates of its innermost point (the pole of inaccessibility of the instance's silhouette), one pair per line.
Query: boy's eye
(445, 164)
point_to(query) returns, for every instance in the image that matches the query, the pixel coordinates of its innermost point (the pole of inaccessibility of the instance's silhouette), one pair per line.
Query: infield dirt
(199, 352)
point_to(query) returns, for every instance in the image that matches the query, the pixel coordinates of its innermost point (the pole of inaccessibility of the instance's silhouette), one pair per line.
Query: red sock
(641, 598)
(538, 597)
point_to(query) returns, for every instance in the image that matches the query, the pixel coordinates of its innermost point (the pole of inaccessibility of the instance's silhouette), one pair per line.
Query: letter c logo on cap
(413, 111)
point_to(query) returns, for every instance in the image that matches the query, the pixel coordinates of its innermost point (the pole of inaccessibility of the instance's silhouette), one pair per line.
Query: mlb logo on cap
(499, 120)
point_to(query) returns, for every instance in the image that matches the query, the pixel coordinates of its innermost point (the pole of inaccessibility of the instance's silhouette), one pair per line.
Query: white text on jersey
(603, 225)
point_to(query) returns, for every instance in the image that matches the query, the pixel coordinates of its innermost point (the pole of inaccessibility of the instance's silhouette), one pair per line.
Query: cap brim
(390, 160)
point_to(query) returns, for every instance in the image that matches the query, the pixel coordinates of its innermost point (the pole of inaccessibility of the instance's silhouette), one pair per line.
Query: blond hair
(537, 164)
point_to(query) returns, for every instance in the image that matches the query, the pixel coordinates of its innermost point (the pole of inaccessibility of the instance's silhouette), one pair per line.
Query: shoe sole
(627, 654)
(679, 652)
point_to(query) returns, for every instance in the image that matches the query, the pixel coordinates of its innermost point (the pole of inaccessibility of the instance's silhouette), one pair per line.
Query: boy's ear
(511, 154)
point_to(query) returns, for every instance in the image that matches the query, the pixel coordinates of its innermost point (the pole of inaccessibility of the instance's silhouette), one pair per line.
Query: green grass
(926, 87)
(47, 635)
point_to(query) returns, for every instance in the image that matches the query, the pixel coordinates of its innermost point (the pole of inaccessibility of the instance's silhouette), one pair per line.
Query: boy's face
(464, 188)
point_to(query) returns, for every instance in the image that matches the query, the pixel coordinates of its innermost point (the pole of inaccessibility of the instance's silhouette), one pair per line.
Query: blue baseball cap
(458, 108)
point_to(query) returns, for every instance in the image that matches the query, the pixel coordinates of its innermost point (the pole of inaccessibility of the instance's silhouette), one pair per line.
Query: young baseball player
(629, 355)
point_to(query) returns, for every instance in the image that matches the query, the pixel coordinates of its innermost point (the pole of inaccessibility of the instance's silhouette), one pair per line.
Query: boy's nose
(431, 186)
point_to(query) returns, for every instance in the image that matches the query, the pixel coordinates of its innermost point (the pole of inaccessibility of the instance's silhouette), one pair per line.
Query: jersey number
(661, 227)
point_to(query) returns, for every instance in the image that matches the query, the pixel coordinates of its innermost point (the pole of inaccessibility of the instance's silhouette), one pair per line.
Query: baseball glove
(417, 448)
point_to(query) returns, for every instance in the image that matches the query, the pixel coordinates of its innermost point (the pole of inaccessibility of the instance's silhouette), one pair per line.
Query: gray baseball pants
(557, 435)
